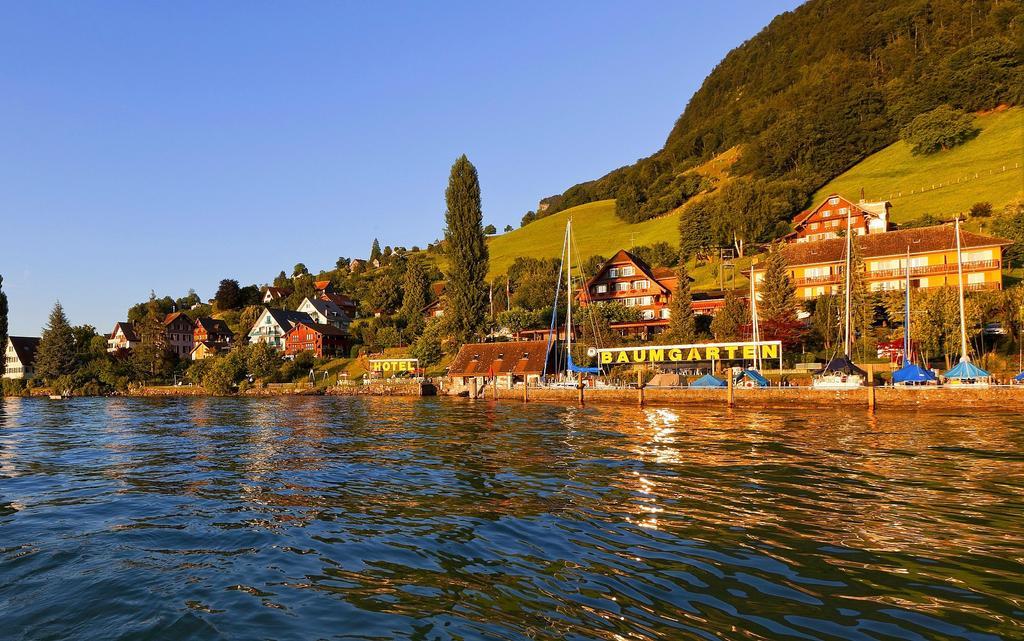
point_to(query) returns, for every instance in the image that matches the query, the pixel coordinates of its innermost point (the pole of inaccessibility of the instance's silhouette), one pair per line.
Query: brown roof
(340, 300)
(214, 325)
(804, 215)
(322, 285)
(279, 292)
(25, 347)
(644, 268)
(485, 359)
(894, 243)
(128, 329)
(326, 330)
(214, 346)
(170, 318)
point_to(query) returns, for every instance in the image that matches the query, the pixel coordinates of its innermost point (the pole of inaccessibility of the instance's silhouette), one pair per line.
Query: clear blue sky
(168, 145)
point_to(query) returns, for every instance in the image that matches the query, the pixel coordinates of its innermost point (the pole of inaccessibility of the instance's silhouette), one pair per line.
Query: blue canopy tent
(753, 376)
(708, 381)
(1019, 377)
(912, 374)
(965, 370)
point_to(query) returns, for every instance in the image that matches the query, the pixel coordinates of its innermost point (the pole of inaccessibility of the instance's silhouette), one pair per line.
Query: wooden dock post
(731, 394)
(871, 388)
(472, 387)
(526, 390)
(579, 386)
(640, 387)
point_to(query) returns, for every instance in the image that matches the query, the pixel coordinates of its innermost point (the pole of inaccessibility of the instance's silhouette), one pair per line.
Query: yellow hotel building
(816, 267)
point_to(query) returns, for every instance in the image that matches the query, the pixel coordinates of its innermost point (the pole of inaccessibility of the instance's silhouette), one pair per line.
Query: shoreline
(999, 398)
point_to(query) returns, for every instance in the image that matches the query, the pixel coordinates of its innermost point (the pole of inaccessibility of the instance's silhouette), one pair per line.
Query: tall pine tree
(415, 296)
(778, 296)
(682, 324)
(466, 249)
(151, 355)
(729, 320)
(57, 355)
(3, 316)
(375, 253)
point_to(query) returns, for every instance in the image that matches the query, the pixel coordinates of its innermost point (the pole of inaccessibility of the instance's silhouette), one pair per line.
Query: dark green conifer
(466, 248)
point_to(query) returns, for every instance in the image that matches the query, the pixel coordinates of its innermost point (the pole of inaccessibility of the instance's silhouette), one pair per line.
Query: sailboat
(573, 372)
(911, 375)
(751, 376)
(840, 372)
(965, 373)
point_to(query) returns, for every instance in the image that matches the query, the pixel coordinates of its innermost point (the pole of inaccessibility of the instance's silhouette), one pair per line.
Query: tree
(282, 280)
(778, 296)
(375, 253)
(427, 347)
(229, 294)
(1010, 225)
(466, 250)
(385, 293)
(415, 296)
(3, 315)
(682, 323)
(980, 210)
(300, 270)
(508, 228)
(941, 128)
(862, 304)
(490, 230)
(695, 229)
(57, 355)
(151, 357)
(342, 263)
(729, 320)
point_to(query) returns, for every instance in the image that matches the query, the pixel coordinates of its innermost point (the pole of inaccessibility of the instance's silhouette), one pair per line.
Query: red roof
(478, 359)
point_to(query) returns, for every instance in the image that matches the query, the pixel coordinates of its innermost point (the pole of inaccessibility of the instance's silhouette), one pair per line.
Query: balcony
(925, 270)
(974, 287)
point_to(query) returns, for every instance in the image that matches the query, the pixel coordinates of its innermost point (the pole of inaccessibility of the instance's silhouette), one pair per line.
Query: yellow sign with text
(394, 365)
(691, 353)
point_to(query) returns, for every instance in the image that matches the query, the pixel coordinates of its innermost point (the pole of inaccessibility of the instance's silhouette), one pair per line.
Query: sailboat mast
(568, 287)
(755, 330)
(846, 325)
(960, 282)
(906, 315)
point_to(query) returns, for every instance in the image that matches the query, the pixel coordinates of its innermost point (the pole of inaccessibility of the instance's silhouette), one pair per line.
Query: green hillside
(596, 229)
(987, 168)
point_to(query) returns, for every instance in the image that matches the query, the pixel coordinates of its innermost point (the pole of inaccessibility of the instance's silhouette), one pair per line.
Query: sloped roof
(893, 243)
(804, 215)
(173, 316)
(645, 269)
(341, 300)
(214, 325)
(279, 292)
(484, 359)
(286, 317)
(326, 330)
(323, 285)
(708, 381)
(128, 329)
(213, 346)
(25, 347)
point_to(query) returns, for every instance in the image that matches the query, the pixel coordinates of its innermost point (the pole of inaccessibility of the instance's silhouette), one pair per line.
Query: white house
(124, 336)
(20, 356)
(325, 312)
(273, 324)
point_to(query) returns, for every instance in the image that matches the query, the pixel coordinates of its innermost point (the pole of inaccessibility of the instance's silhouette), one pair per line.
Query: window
(814, 225)
(648, 314)
(833, 201)
(641, 284)
(601, 289)
(844, 211)
(826, 213)
(621, 287)
(627, 270)
(975, 278)
(665, 312)
(613, 272)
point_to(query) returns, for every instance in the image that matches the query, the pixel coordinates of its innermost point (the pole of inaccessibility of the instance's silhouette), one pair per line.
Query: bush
(941, 128)
(13, 387)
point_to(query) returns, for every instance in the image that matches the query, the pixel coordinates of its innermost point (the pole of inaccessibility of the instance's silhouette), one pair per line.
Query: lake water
(335, 518)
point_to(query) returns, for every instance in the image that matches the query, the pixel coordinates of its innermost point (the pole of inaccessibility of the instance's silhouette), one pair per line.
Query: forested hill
(816, 91)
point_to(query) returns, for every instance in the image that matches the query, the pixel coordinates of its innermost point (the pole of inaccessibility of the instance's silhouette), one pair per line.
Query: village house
(274, 324)
(325, 291)
(212, 330)
(179, 328)
(506, 363)
(816, 267)
(829, 218)
(324, 312)
(325, 341)
(20, 357)
(206, 349)
(275, 293)
(124, 337)
(435, 308)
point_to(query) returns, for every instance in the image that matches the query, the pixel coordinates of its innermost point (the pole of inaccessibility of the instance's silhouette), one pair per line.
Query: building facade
(817, 267)
(124, 337)
(325, 312)
(179, 329)
(325, 341)
(20, 357)
(212, 330)
(830, 217)
(273, 325)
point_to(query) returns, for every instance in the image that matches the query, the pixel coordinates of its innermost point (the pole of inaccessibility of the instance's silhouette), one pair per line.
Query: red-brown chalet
(627, 279)
(829, 218)
(322, 340)
(212, 330)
